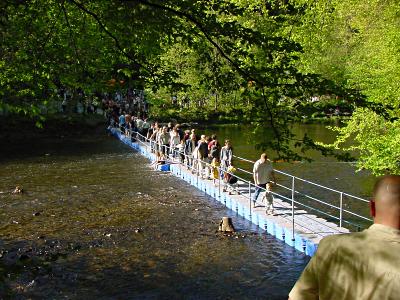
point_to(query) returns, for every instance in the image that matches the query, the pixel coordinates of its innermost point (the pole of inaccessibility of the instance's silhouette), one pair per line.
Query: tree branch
(71, 35)
(209, 38)
(203, 30)
(113, 37)
(200, 26)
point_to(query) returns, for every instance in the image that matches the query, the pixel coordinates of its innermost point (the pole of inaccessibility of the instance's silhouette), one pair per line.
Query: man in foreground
(363, 265)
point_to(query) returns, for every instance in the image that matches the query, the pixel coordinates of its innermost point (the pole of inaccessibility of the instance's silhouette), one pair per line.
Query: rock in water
(18, 190)
(226, 225)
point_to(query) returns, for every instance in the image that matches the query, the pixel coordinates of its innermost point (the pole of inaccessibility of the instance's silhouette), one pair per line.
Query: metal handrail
(355, 197)
(317, 200)
(301, 179)
(195, 167)
(320, 186)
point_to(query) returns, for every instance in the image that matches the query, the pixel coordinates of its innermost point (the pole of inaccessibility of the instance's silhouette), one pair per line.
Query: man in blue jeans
(263, 173)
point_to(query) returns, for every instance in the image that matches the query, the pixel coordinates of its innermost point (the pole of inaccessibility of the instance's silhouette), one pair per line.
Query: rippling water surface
(95, 221)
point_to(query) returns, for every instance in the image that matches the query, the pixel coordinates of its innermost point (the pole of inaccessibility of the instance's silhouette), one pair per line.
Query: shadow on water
(97, 221)
(46, 148)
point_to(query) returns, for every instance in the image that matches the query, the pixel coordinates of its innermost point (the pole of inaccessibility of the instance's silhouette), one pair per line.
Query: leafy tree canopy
(356, 44)
(269, 55)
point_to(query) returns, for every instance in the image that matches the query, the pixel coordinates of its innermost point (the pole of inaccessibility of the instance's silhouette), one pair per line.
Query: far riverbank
(210, 117)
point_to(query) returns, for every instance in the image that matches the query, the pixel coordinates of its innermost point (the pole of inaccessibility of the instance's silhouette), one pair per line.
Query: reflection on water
(96, 221)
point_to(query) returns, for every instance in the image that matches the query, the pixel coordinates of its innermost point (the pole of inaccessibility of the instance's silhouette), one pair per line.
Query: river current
(95, 221)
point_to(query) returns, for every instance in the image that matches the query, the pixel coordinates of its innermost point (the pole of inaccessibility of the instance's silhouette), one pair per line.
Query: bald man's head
(386, 203)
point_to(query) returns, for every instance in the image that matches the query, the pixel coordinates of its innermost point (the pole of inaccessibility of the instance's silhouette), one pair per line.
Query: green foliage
(355, 44)
(258, 60)
(376, 139)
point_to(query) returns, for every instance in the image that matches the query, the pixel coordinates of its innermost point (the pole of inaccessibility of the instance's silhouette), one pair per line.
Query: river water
(95, 221)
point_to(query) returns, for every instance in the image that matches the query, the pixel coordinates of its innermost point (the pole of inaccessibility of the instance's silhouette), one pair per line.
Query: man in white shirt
(263, 174)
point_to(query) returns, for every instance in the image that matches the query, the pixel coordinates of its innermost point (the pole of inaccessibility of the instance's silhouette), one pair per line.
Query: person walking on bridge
(226, 155)
(361, 265)
(190, 145)
(203, 156)
(174, 141)
(164, 139)
(263, 174)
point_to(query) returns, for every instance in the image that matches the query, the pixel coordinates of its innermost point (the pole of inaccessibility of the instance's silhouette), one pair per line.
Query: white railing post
(293, 192)
(249, 189)
(197, 171)
(180, 164)
(219, 182)
(341, 210)
(250, 198)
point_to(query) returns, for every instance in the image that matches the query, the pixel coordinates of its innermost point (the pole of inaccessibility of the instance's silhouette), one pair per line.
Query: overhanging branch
(113, 37)
(71, 36)
(203, 30)
(200, 26)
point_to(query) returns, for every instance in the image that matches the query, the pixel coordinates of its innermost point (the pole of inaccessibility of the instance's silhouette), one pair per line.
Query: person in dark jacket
(203, 156)
(190, 145)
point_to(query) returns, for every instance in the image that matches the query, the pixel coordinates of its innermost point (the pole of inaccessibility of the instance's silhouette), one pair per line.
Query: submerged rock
(23, 257)
(18, 190)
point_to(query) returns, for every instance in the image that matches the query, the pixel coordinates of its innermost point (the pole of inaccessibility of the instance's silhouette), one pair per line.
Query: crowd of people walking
(77, 101)
(200, 153)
